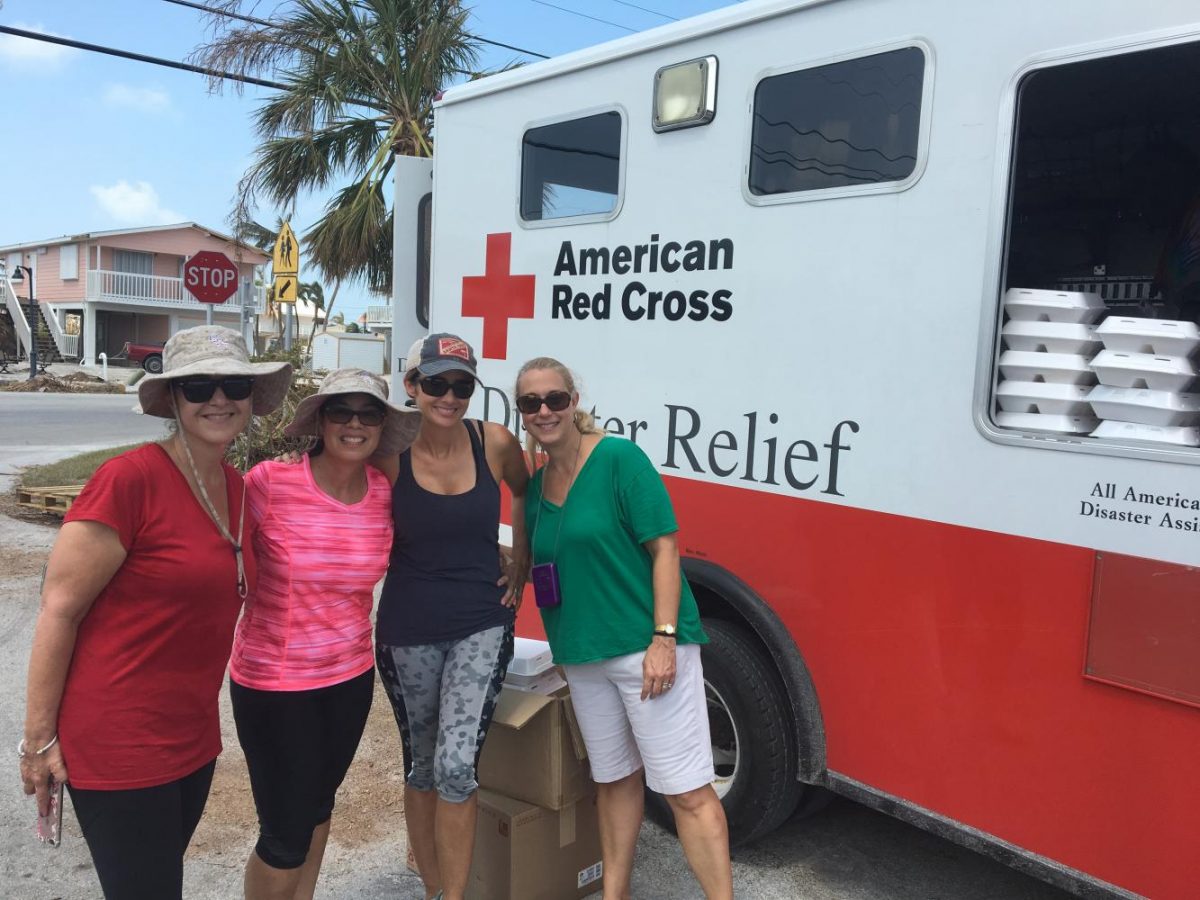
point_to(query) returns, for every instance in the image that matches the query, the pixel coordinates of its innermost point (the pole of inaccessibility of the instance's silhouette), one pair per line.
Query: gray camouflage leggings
(443, 696)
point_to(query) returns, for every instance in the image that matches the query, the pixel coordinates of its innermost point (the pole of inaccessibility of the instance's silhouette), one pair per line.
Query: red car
(148, 356)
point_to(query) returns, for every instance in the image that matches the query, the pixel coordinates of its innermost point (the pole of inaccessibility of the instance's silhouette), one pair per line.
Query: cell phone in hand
(49, 826)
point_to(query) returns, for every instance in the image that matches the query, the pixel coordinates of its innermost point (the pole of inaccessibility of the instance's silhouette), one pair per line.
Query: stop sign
(210, 277)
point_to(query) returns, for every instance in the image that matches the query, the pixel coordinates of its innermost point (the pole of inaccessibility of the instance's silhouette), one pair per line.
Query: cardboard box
(534, 751)
(524, 852)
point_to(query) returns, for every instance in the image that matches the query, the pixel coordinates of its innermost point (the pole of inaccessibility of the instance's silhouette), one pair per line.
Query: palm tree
(313, 294)
(361, 78)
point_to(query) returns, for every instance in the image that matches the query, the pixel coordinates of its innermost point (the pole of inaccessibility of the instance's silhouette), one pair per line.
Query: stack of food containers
(1145, 371)
(1046, 371)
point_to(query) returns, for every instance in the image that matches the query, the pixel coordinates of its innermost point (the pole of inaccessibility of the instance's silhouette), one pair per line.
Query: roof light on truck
(685, 94)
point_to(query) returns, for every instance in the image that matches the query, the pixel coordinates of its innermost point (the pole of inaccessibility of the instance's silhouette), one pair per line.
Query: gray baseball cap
(440, 353)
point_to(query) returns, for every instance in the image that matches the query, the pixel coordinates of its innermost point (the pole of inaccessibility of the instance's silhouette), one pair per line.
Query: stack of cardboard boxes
(538, 836)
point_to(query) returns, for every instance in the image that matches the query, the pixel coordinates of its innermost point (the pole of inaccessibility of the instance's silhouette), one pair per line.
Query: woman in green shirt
(623, 623)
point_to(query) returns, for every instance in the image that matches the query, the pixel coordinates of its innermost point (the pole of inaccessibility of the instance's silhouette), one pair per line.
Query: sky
(92, 142)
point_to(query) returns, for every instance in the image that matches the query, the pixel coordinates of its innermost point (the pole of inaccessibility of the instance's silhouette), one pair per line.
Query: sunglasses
(201, 390)
(556, 401)
(340, 414)
(437, 387)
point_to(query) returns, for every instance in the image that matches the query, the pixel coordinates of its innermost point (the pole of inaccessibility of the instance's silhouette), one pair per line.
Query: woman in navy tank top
(444, 628)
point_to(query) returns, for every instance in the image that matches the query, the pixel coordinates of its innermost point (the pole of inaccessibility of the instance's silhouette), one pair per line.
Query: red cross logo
(497, 296)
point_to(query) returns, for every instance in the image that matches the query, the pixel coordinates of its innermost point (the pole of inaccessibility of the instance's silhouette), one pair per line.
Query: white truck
(900, 298)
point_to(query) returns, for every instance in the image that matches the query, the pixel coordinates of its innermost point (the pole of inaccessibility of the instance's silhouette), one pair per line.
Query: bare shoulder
(496, 435)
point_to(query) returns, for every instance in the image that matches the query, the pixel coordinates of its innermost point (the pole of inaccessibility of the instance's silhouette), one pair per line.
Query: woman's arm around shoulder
(388, 464)
(506, 459)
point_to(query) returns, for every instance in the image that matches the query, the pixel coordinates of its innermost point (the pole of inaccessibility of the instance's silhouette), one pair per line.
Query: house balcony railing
(159, 290)
(379, 315)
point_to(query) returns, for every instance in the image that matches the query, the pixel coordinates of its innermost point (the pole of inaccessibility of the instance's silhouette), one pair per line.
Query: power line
(576, 12)
(140, 57)
(219, 12)
(265, 23)
(644, 9)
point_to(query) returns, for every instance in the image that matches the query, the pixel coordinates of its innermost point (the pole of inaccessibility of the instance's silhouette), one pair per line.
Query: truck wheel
(754, 743)
(153, 364)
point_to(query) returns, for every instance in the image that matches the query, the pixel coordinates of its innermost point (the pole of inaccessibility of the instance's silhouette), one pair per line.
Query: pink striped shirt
(308, 623)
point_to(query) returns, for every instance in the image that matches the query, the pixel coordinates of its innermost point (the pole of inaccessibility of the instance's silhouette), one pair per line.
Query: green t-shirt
(617, 503)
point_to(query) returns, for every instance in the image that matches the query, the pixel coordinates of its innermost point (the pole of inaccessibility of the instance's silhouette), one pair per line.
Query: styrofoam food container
(1044, 397)
(1053, 306)
(1145, 407)
(530, 657)
(1050, 337)
(1149, 434)
(1062, 368)
(1046, 422)
(1143, 370)
(1159, 337)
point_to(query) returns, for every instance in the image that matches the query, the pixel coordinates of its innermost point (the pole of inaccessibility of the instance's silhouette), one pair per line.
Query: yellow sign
(285, 288)
(286, 260)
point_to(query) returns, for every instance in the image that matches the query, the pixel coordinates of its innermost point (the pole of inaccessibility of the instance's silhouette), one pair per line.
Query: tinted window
(848, 123)
(571, 168)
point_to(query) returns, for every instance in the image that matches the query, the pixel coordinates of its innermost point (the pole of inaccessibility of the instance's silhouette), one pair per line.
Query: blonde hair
(585, 423)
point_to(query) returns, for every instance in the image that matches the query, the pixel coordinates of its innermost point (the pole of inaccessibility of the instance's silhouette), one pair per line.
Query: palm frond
(361, 77)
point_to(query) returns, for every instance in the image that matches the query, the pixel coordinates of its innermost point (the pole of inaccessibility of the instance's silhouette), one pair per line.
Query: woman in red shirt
(142, 592)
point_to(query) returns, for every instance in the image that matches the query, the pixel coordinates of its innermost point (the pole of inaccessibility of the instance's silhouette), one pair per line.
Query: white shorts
(667, 735)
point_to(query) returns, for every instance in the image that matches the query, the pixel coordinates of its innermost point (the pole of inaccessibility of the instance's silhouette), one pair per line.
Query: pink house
(96, 291)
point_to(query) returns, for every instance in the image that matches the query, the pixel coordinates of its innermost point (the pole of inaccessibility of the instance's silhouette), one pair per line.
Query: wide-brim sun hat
(437, 354)
(400, 426)
(219, 352)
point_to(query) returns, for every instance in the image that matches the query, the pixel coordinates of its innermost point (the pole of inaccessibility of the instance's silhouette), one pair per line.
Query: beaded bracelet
(22, 752)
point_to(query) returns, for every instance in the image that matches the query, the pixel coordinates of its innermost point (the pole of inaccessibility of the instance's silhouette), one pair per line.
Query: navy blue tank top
(441, 580)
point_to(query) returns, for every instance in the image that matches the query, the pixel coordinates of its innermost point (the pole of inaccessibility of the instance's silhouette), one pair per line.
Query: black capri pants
(298, 746)
(137, 837)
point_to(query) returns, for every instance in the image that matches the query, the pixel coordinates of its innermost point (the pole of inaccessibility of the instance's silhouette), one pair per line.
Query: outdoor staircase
(47, 350)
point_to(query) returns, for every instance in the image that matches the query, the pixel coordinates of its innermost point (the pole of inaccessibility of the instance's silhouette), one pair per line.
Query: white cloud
(151, 100)
(133, 204)
(30, 53)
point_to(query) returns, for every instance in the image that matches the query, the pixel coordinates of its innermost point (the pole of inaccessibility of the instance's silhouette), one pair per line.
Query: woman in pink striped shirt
(302, 670)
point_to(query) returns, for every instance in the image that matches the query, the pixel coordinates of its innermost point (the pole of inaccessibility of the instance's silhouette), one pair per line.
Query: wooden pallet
(49, 499)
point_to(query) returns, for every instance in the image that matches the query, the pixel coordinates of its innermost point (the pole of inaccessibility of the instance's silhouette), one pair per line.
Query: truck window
(1100, 294)
(572, 169)
(850, 123)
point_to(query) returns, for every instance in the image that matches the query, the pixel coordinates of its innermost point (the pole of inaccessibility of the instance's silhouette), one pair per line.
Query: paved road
(62, 421)
(846, 852)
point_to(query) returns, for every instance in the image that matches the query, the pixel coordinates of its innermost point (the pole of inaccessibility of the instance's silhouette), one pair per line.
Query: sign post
(285, 267)
(211, 278)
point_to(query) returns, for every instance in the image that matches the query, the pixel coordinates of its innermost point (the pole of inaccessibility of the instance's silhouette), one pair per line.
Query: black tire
(153, 364)
(754, 742)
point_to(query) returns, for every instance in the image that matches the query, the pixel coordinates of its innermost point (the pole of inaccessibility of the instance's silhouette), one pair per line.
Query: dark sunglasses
(556, 401)
(437, 387)
(340, 414)
(201, 390)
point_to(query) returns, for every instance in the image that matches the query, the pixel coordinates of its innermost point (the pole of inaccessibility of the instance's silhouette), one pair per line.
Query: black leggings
(138, 837)
(298, 746)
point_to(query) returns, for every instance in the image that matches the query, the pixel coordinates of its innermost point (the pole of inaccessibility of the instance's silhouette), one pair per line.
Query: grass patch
(72, 470)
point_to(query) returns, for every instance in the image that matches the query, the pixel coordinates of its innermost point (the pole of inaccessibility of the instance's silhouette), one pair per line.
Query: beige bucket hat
(400, 425)
(218, 351)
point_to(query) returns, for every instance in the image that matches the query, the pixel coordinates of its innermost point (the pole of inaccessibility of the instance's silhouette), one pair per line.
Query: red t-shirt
(139, 707)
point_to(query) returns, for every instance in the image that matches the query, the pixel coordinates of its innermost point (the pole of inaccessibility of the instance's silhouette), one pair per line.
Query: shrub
(265, 438)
